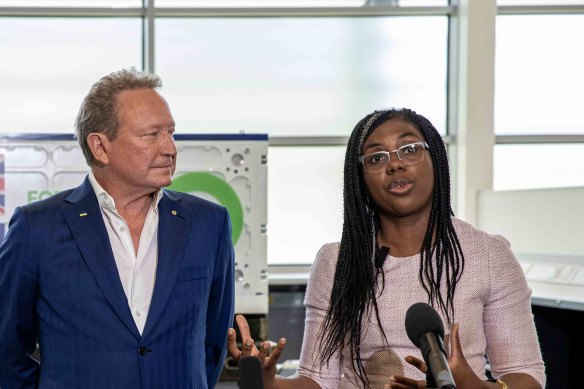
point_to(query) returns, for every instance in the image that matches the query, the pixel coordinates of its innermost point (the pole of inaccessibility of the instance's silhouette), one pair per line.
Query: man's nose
(169, 145)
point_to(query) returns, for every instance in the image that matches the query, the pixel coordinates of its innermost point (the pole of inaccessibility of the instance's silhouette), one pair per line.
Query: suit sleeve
(221, 305)
(18, 297)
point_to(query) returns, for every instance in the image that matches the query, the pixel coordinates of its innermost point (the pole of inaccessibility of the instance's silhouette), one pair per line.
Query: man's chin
(160, 183)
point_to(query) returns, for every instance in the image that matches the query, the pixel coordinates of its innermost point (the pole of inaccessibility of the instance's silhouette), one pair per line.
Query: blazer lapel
(83, 216)
(172, 234)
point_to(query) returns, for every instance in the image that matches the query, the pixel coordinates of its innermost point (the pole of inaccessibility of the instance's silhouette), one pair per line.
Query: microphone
(250, 373)
(425, 329)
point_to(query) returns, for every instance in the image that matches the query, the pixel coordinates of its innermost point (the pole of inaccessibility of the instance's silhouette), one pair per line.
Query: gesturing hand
(400, 382)
(463, 374)
(268, 359)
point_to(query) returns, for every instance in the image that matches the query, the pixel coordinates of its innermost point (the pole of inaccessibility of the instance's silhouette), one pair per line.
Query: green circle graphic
(218, 188)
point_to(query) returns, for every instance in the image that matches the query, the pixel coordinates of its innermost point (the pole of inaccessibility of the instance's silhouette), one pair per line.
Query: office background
(502, 81)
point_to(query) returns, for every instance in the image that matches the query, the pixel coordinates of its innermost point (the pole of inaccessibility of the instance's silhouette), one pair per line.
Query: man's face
(142, 157)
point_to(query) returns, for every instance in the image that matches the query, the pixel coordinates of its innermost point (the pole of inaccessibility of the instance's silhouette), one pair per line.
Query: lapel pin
(173, 212)
(83, 214)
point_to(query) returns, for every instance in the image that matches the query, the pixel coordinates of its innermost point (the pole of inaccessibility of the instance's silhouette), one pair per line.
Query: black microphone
(425, 329)
(250, 373)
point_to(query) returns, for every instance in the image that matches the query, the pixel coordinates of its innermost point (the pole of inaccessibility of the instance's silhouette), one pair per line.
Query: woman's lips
(401, 187)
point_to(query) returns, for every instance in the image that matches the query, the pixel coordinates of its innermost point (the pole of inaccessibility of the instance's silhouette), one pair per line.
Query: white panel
(545, 230)
(544, 221)
(37, 169)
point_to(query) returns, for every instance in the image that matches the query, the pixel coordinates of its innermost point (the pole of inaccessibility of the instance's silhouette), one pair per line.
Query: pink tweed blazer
(492, 305)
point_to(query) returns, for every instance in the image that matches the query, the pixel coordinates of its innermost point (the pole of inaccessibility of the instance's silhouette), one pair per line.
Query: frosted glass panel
(538, 166)
(47, 66)
(292, 3)
(300, 76)
(305, 201)
(423, 3)
(259, 3)
(72, 3)
(539, 2)
(539, 77)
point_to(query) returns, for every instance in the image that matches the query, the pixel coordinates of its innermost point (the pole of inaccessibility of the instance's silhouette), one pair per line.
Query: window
(539, 78)
(300, 76)
(308, 78)
(295, 3)
(537, 166)
(539, 2)
(46, 70)
(305, 201)
(71, 3)
(539, 81)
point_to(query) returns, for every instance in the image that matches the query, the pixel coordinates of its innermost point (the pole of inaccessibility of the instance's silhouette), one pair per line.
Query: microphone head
(421, 319)
(250, 373)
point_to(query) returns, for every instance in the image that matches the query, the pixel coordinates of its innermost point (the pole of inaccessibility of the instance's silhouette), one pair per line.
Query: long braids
(441, 257)
(359, 268)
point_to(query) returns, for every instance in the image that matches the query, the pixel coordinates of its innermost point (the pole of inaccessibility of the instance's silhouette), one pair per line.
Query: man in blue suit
(122, 283)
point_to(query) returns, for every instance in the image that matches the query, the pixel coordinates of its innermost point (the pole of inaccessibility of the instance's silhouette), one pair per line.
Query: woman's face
(399, 190)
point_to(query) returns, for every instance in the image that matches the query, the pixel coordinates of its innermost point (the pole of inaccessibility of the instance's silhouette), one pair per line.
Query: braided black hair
(358, 268)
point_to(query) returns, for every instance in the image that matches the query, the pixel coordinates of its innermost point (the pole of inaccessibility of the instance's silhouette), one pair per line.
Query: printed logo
(218, 188)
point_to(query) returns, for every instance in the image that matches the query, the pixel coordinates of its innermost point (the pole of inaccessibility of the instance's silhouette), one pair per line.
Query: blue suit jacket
(59, 283)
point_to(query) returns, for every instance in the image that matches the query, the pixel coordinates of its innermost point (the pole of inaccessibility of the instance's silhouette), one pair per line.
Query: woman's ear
(98, 144)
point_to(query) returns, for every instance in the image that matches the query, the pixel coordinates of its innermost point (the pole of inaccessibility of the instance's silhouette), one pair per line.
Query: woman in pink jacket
(400, 245)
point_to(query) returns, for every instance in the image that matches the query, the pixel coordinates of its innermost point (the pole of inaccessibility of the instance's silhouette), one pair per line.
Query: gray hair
(99, 109)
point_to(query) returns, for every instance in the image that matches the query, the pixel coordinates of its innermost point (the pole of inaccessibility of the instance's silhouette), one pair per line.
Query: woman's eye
(410, 149)
(376, 159)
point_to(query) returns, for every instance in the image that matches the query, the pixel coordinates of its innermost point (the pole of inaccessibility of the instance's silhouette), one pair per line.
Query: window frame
(539, 138)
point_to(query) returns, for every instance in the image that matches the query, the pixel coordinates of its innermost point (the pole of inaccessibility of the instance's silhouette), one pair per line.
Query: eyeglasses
(409, 154)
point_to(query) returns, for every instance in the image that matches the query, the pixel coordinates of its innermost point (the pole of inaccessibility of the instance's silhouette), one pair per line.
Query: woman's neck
(403, 235)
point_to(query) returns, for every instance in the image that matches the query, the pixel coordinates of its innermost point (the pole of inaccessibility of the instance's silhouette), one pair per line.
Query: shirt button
(123, 229)
(138, 313)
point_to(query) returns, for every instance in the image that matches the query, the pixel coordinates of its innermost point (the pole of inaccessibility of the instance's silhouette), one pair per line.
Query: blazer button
(143, 351)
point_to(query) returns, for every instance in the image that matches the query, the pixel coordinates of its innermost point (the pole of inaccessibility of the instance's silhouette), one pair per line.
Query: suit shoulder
(194, 202)
(48, 204)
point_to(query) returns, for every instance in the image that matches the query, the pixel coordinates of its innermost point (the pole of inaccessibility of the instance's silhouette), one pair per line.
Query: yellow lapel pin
(83, 214)
(173, 212)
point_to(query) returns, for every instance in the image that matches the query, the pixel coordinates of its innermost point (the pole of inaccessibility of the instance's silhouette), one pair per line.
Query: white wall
(542, 221)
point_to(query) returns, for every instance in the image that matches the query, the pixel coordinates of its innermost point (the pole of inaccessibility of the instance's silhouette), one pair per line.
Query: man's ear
(99, 145)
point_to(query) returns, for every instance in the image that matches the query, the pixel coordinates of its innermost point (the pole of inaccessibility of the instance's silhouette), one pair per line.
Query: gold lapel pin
(173, 212)
(83, 214)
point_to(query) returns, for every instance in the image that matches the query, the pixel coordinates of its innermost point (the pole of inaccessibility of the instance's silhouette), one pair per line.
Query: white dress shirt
(137, 270)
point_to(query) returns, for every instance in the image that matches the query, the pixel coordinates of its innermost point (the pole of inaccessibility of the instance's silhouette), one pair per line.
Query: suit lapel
(172, 237)
(85, 221)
